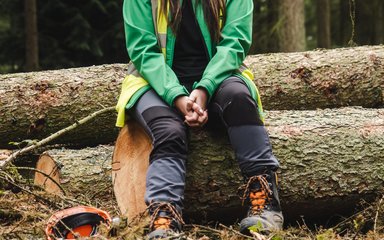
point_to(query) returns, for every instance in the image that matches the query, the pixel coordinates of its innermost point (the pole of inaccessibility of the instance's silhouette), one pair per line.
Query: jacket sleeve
(144, 51)
(233, 47)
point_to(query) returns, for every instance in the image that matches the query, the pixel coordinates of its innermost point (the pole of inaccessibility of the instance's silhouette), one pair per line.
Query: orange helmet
(80, 221)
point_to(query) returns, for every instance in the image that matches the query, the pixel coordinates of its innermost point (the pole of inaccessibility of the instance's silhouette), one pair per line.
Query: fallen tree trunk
(321, 79)
(84, 174)
(330, 160)
(34, 105)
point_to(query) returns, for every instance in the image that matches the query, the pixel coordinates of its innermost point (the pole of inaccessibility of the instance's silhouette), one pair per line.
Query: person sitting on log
(187, 67)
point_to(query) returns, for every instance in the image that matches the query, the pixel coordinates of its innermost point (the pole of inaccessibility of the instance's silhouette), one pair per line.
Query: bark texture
(34, 105)
(320, 79)
(330, 160)
(85, 174)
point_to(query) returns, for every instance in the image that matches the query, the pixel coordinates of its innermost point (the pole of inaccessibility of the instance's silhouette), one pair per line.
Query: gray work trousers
(231, 105)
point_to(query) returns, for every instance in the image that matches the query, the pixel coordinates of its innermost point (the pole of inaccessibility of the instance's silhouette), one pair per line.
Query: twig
(9, 179)
(30, 192)
(34, 146)
(205, 228)
(43, 173)
(234, 231)
(377, 214)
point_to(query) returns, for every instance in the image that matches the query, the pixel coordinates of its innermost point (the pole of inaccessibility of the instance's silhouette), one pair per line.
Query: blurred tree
(71, 33)
(274, 23)
(323, 14)
(12, 44)
(290, 26)
(90, 32)
(369, 22)
(31, 36)
(379, 26)
(345, 26)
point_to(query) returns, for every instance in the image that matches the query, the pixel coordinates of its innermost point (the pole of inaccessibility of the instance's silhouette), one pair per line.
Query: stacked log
(330, 159)
(35, 105)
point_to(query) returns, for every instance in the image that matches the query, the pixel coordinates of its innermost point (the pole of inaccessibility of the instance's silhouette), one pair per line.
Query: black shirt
(190, 55)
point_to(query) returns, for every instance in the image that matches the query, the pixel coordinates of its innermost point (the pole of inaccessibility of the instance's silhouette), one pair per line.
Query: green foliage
(328, 234)
(256, 228)
(90, 32)
(71, 33)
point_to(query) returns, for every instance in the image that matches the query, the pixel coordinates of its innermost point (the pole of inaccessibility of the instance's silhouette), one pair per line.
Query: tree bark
(31, 36)
(34, 105)
(323, 12)
(330, 160)
(292, 31)
(84, 174)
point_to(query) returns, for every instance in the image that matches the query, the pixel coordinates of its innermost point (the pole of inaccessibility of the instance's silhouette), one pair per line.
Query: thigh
(234, 105)
(150, 107)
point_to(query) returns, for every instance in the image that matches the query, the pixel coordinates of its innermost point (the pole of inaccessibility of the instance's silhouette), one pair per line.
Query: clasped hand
(193, 107)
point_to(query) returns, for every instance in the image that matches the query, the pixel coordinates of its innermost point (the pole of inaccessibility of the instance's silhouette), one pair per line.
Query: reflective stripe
(162, 25)
(129, 86)
(248, 75)
(154, 12)
(132, 70)
(221, 19)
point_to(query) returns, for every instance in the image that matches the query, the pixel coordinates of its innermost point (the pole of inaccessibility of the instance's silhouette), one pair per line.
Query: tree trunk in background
(273, 25)
(292, 30)
(31, 36)
(323, 13)
(256, 29)
(379, 22)
(344, 23)
(34, 105)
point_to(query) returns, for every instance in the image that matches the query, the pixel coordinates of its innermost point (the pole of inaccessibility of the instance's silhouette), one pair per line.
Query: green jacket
(150, 44)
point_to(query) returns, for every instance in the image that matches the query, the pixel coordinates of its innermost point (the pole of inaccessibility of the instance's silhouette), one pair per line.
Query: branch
(44, 141)
(46, 175)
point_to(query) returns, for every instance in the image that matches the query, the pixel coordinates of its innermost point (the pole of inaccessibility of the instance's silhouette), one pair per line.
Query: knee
(169, 137)
(239, 102)
(234, 92)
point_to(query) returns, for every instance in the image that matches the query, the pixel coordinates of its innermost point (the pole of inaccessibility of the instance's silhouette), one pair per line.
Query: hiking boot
(166, 221)
(264, 214)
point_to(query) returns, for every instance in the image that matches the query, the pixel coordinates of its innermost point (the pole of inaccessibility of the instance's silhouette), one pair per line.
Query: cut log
(129, 166)
(51, 180)
(85, 174)
(330, 160)
(320, 79)
(37, 104)
(34, 105)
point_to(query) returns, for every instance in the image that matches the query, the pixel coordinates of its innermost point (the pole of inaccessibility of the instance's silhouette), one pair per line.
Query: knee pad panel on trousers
(237, 104)
(169, 133)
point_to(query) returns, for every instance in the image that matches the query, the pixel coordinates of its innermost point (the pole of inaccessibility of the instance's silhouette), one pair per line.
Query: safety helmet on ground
(80, 221)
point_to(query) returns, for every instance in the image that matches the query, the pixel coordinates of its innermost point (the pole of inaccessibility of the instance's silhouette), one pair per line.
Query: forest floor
(25, 209)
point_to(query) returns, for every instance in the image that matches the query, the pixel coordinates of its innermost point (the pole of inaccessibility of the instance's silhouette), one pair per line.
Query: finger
(192, 117)
(193, 124)
(192, 98)
(197, 108)
(202, 119)
(190, 105)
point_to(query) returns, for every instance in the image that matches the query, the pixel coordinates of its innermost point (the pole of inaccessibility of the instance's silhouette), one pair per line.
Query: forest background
(55, 34)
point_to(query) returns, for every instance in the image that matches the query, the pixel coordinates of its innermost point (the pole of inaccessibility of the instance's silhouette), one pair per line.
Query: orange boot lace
(164, 222)
(258, 197)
